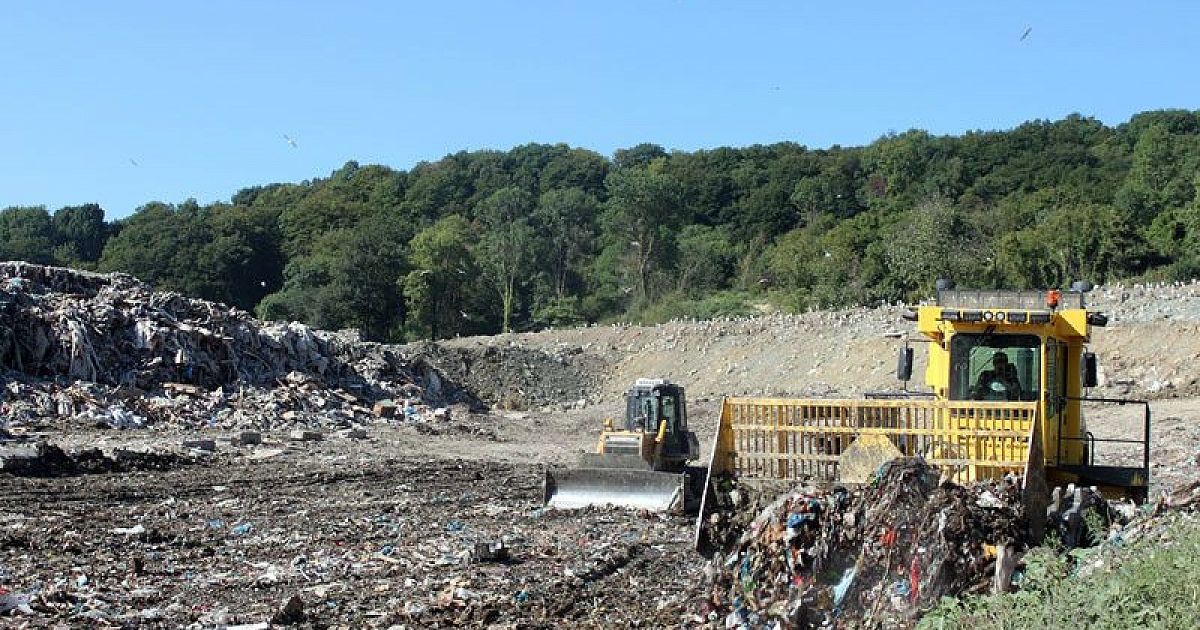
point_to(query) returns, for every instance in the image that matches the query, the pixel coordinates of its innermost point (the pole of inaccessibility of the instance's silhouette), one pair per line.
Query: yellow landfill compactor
(639, 465)
(1006, 375)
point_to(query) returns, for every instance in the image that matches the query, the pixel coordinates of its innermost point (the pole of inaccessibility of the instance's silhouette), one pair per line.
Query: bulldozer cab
(652, 405)
(995, 367)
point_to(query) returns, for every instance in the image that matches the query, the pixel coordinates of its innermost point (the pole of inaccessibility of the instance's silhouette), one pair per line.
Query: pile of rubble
(874, 558)
(516, 377)
(105, 349)
(49, 460)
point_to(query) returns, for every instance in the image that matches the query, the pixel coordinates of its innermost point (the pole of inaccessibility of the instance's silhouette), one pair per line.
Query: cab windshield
(995, 367)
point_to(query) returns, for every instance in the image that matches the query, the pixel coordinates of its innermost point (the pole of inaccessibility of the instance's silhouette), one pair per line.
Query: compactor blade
(858, 463)
(640, 489)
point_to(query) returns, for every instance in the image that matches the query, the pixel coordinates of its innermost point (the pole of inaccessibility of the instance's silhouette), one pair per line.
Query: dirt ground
(378, 532)
(370, 533)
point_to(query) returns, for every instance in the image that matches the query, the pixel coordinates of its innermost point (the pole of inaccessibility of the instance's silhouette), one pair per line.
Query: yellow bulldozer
(641, 464)
(1006, 376)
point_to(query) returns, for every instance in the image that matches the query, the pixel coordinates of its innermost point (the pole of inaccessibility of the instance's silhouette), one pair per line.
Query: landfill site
(175, 463)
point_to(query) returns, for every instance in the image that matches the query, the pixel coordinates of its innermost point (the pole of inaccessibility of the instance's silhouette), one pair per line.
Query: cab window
(994, 367)
(669, 413)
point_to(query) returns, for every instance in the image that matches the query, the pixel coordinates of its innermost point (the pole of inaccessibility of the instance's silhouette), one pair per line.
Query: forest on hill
(542, 235)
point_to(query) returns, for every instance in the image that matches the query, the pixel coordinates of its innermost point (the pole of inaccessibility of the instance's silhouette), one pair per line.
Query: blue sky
(122, 103)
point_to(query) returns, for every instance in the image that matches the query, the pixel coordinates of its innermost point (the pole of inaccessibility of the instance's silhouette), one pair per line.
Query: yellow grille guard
(762, 439)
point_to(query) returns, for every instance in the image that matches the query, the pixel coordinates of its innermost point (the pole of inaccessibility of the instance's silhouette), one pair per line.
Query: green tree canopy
(26, 233)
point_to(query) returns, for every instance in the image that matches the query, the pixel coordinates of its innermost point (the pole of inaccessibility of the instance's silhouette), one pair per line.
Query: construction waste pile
(880, 556)
(510, 376)
(106, 350)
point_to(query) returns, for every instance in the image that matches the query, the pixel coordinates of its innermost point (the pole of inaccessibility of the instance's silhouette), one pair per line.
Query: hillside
(1149, 349)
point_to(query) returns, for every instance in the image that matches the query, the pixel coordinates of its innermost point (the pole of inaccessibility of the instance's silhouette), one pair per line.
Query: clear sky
(122, 102)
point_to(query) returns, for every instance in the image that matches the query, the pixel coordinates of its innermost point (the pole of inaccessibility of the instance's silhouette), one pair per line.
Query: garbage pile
(105, 349)
(873, 558)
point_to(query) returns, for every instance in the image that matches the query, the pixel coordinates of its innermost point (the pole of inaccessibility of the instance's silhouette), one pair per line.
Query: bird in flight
(133, 161)
(1025, 35)
(290, 141)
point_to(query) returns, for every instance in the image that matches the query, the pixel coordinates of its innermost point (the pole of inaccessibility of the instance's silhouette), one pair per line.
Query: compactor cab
(642, 463)
(1031, 348)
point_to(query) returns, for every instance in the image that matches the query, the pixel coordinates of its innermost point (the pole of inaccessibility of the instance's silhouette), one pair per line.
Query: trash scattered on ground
(413, 542)
(872, 558)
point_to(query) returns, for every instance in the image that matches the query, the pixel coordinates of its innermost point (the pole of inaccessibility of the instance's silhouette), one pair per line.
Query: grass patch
(724, 304)
(1151, 583)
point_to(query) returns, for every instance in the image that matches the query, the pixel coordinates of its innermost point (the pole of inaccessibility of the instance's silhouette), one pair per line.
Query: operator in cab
(1000, 382)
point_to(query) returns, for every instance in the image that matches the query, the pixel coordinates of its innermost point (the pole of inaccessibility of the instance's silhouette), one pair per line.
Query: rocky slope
(1151, 348)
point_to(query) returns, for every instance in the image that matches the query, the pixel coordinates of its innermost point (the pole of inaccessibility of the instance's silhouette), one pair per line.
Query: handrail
(1145, 441)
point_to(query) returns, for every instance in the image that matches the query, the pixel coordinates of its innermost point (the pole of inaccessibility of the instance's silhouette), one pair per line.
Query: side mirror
(904, 364)
(1089, 369)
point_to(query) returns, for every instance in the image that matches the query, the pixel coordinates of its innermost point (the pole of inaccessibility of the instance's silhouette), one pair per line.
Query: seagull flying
(290, 141)
(1025, 35)
(133, 161)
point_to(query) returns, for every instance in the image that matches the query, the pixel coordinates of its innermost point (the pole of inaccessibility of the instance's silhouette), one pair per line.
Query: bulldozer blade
(1035, 496)
(640, 489)
(858, 463)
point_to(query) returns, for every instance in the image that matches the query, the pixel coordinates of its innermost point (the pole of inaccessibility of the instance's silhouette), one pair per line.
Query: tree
(574, 169)
(933, 240)
(505, 249)
(26, 233)
(706, 258)
(639, 156)
(220, 252)
(812, 196)
(442, 270)
(794, 261)
(351, 278)
(244, 252)
(643, 213)
(1159, 178)
(565, 222)
(81, 228)
(161, 244)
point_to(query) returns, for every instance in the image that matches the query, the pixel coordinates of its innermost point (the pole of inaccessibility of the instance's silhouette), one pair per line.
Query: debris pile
(103, 349)
(510, 376)
(49, 460)
(874, 558)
